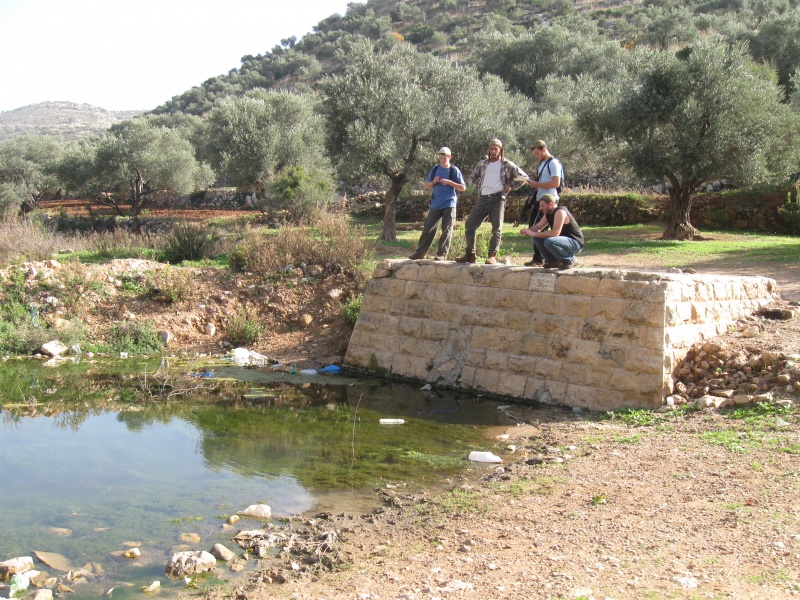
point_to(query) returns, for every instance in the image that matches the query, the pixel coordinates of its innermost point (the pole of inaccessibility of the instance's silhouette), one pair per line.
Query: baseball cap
(444, 150)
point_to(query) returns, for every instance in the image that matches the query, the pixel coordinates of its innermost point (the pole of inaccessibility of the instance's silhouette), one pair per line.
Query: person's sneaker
(492, 260)
(440, 257)
(555, 264)
(534, 263)
(416, 256)
(565, 266)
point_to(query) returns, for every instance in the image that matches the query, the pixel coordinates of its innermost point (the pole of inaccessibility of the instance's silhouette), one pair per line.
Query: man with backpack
(445, 180)
(550, 178)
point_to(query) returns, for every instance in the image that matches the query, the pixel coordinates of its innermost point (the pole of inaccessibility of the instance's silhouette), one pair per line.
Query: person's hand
(527, 231)
(436, 179)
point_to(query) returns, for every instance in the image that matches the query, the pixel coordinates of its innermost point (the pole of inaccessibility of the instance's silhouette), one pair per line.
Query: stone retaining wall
(594, 338)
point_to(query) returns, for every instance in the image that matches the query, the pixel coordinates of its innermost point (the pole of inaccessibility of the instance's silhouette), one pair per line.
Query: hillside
(66, 120)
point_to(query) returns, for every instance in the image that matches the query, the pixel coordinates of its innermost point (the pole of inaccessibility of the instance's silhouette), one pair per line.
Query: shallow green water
(82, 449)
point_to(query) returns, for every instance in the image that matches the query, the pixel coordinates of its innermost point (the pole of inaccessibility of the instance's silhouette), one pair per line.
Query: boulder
(258, 511)
(222, 553)
(190, 563)
(53, 348)
(10, 567)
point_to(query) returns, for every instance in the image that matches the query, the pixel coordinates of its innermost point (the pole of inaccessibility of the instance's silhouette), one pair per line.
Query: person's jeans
(560, 248)
(494, 207)
(447, 216)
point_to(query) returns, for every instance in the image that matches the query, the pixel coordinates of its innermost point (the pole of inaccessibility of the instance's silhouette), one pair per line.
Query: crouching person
(565, 238)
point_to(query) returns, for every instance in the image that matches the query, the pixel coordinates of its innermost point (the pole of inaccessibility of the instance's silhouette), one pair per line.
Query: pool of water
(90, 464)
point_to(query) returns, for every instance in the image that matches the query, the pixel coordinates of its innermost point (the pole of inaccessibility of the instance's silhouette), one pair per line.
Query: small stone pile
(716, 375)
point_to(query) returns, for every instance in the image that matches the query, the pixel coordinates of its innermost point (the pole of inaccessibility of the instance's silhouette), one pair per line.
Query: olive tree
(136, 159)
(706, 112)
(387, 113)
(26, 171)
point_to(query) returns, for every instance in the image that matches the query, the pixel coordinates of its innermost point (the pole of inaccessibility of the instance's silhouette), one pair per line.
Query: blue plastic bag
(331, 369)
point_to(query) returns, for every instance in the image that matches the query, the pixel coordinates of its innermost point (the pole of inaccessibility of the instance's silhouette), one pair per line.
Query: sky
(137, 54)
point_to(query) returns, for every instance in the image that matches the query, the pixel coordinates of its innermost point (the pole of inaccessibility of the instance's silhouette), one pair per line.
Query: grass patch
(633, 417)
(739, 442)
(244, 328)
(135, 337)
(541, 486)
(351, 309)
(459, 502)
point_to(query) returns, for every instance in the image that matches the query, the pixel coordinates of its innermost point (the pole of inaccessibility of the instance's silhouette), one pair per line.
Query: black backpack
(433, 170)
(563, 175)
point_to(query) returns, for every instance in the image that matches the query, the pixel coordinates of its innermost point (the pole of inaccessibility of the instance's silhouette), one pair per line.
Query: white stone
(20, 564)
(189, 563)
(53, 348)
(211, 329)
(258, 511)
(222, 553)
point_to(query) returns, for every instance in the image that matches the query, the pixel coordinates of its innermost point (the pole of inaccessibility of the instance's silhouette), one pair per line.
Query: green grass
(639, 243)
(739, 442)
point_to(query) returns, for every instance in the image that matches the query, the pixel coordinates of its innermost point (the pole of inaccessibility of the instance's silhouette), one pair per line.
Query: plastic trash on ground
(241, 356)
(331, 369)
(485, 457)
(308, 372)
(391, 421)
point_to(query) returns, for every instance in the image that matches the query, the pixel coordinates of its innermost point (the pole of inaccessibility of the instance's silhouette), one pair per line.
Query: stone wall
(599, 339)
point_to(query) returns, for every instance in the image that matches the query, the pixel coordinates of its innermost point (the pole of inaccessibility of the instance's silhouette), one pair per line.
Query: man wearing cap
(495, 176)
(445, 180)
(565, 238)
(549, 178)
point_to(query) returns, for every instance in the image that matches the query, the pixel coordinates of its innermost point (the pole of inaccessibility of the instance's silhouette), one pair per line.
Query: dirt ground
(689, 504)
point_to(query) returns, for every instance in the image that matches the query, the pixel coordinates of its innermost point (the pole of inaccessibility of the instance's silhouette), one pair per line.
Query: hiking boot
(554, 264)
(492, 259)
(417, 256)
(534, 263)
(440, 257)
(469, 257)
(565, 266)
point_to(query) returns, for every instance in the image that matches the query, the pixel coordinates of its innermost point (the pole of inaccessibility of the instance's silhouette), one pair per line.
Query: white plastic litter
(485, 457)
(241, 356)
(391, 421)
(308, 372)
(504, 407)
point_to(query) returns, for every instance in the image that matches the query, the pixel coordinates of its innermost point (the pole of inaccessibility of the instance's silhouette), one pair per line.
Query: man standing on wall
(445, 180)
(495, 176)
(549, 180)
(565, 238)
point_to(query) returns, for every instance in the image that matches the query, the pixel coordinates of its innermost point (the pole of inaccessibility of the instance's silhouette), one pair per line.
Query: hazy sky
(136, 54)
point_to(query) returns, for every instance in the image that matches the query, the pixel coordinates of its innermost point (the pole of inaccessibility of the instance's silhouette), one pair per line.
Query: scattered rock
(190, 563)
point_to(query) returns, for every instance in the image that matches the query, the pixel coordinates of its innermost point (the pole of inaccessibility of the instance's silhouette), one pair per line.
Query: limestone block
(374, 303)
(410, 345)
(427, 272)
(512, 385)
(579, 285)
(517, 319)
(575, 306)
(679, 313)
(467, 377)
(408, 365)
(413, 308)
(504, 298)
(497, 361)
(534, 387)
(549, 369)
(534, 345)
(465, 295)
(543, 282)
(648, 291)
(421, 290)
(547, 325)
(574, 373)
(560, 348)
(433, 330)
(646, 384)
(409, 326)
(500, 339)
(520, 364)
(485, 317)
(379, 273)
(447, 274)
(514, 279)
(609, 309)
(486, 379)
(584, 352)
(408, 271)
(394, 288)
(476, 357)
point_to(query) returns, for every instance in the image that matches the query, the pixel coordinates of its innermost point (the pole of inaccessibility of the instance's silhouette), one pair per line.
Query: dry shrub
(121, 243)
(333, 244)
(27, 240)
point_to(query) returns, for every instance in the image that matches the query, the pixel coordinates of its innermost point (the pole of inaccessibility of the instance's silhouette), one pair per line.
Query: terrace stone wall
(594, 338)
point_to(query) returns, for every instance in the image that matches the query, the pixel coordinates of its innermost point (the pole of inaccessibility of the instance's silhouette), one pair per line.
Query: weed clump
(135, 337)
(244, 328)
(188, 241)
